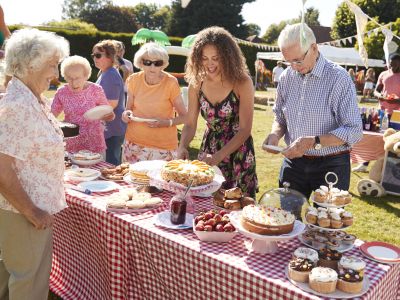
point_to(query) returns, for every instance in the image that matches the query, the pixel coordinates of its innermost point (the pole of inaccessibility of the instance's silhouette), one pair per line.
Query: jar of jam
(178, 209)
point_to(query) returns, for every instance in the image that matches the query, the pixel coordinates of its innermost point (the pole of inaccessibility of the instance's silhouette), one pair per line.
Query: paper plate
(81, 174)
(98, 112)
(99, 186)
(163, 220)
(273, 148)
(381, 252)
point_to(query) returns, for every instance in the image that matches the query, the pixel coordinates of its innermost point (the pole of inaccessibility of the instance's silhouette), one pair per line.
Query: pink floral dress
(222, 120)
(74, 105)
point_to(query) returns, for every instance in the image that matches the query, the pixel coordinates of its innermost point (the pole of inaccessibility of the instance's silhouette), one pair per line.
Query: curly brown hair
(109, 47)
(232, 61)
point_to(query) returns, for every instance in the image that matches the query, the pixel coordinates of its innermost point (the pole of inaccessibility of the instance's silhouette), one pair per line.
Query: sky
(260, 12)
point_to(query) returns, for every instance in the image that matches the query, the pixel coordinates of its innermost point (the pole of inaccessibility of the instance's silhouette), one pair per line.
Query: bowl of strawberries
(214, 226)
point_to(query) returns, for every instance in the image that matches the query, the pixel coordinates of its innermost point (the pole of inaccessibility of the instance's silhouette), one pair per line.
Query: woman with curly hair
(221, 89)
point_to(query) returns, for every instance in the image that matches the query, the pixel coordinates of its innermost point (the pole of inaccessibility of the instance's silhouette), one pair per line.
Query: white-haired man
(316, 112)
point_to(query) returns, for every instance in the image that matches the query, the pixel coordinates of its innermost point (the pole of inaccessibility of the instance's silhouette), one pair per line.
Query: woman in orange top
(154, 98)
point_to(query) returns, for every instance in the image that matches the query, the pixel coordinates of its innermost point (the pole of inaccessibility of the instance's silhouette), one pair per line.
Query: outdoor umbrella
(188, 41)
(144, 35)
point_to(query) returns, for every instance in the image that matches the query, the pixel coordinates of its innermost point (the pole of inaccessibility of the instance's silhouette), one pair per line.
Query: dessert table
(104, 255)
(369, 148)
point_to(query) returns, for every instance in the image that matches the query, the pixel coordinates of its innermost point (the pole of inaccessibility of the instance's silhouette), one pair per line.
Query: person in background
(388, 84)
(31, 164)
(4, 34)
(124, 66)
(105, 59)
(152, 94)
(276, 73)
(318, 117)
(77, 97)
(221, 89)
(352, 75)
(369, 83)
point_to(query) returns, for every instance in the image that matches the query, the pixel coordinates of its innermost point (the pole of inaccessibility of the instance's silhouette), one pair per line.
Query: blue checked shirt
(321, 102)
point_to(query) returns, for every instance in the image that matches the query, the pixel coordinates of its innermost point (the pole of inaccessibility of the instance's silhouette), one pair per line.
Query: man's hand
(272, 140)
(299, 147)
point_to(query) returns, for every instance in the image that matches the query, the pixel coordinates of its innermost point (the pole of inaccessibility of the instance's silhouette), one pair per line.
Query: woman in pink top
(77, 97)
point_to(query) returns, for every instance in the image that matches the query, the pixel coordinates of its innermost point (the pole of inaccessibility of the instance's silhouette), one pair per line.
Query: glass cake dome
(286, 199)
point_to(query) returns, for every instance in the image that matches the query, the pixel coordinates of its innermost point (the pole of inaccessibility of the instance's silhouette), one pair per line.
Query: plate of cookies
(130, 200)
(115, 174)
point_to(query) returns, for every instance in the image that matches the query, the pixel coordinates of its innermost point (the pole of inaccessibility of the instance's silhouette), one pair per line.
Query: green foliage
(374, 43)
(311, 17)
(73, 24)
(72, 9)
(200, 14)
(151, 16)
(344, 22)
(253, 29)
(111, 18)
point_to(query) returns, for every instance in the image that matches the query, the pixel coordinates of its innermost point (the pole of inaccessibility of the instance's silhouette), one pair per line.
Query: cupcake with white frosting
(351, 274)
(323, 280)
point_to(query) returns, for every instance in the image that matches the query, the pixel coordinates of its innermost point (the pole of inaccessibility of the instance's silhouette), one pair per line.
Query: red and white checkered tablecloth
(369, 148)
(102, 255)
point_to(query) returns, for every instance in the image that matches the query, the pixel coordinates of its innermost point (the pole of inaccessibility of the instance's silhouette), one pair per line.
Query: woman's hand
(211, 159)
(159, 123)
(109, 117)
(39, 218)
(183, 153)
(125, 116)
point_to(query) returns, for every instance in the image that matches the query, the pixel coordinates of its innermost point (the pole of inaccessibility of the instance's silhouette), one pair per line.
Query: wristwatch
(317, 144)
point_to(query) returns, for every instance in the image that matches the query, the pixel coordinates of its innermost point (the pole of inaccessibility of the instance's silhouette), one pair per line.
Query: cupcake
(312, 217)
(329, 258)
(307, 237)
(299, 269)
(347, 218)
(349, 239)
(346, 196)
(321, 194)
(307, 253)
(351, 274)
(323, 280)
(323, 220)
(338, 200)
(319, 242)
(336, 236)
(336, 221)
(333, 245)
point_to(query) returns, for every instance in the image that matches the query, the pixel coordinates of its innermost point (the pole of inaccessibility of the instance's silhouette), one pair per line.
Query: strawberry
(211, 222)
(208, 228)
(219, 227)
(198, 218)
(229, 227)
(218, 218)
(199, 227)
(223, 213)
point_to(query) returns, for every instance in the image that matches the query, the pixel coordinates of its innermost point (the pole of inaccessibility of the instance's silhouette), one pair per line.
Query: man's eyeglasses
(297, 62)
(156, 63)
(97, 55)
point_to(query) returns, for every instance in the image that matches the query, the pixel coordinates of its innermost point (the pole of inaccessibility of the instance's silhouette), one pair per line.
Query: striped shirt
(321, 102)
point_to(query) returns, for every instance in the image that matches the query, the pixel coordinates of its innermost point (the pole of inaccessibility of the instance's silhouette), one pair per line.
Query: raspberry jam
(178, 209)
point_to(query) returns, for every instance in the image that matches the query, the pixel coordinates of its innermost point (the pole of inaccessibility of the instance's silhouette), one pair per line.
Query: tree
(111, 18)
(74, 24)
(344, 22)
(311, 18)
(151, 16)
(253, 29)
(72, 9)
(200, 14)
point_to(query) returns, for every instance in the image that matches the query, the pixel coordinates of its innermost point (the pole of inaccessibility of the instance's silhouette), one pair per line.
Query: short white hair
(153, 51)
(290, 36)
(76, 60)
(31, 48)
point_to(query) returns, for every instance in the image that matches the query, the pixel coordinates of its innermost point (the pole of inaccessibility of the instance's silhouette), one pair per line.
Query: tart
(351, 274)
(323, 280)
(267, 220)
(349, 239)
(186, 171)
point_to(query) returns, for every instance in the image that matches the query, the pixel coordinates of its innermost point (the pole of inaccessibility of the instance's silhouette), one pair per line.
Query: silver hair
(153, 51)
(73, 61)
(290, 36)
(31, 48)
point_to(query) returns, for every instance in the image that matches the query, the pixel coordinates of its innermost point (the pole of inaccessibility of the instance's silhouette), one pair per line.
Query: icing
(323, 274)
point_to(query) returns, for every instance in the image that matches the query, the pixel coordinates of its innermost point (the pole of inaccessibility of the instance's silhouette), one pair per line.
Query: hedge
(82, 42)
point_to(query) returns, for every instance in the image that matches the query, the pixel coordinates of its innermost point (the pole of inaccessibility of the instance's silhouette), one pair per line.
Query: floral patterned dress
(239, 168)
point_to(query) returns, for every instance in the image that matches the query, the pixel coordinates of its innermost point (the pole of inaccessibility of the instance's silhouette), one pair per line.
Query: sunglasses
(156, 63)
(97, 55)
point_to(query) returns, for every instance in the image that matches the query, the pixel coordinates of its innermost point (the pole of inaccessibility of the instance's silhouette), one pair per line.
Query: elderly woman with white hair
(154, 98)
(31, 164)
(75, 99)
